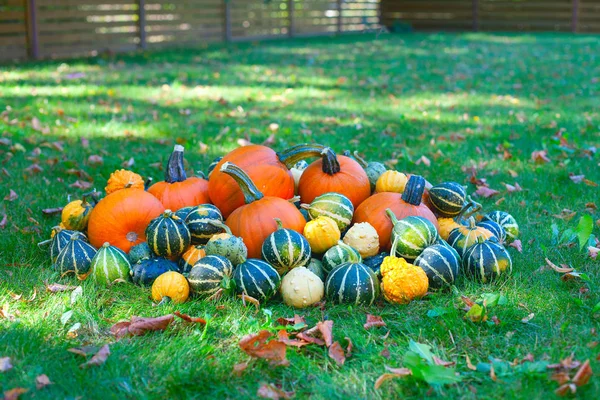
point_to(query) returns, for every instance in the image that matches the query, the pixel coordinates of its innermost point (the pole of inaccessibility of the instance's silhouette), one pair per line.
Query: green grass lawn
(459, 100)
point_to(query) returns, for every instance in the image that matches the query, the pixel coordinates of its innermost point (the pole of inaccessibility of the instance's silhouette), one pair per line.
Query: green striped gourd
(60, 239)
(316, 267)
(109, 264)
(213, 164)
(411, 235)
(191, 257)
(76, 257)
(256, 278)
(441, 263)
(507, 222)
(375, 262)
(374, 169)
(228, 246)
(285, 249)
(182, 213)
(146, 271)
(338, 255)
(333, 205)
(495, 228)
(210, 274)
(352, 283)
(167, 235)
(204, 221)
(140, 252)
(486, 260)
(463, 237)
(447, 199)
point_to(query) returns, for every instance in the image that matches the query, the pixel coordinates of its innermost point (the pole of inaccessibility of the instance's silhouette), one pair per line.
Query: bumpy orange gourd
(171, 285)
(123, 179)
(391, 181)
(402, 282)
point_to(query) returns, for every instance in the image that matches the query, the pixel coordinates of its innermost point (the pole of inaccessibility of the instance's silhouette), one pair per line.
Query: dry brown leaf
(42, 381)
(13, 394)
(469, 364)
(394, 373)
(98, 359)
(439, 361)
(528, 318)
(3, 221)
(513, 188)
(128, 163)
(561, 377)
(540, 157)
(584, 374)
(567, 388)
(350, 346)
(52, 211)
(140, 325)
(310, 339)
(295, 320)
(593, 252)
(337, 353)
(250, 299)
(57, 287)
(238, 369)
(283, 337)
(385, 353)
(326, 329)
(373, 321)
(84, 351)
(590, 183)
(85, 143)
(259, 346)
(187, 318)
(517, 245)
(468, 302)
(34, 169)
(271, 139)
(423, 160)
(493, 373)
(270, 391)
(568, 363)
(5, 364)
(11, 196)
(95, 160)
(79, 184)
(558, 269)
(486, 192)
(565, 215)
(243, 142)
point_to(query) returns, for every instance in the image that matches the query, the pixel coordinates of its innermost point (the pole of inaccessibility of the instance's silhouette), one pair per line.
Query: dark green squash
(495, 228)
(60, 239)
(285, 249)
(146, 271)
(338, 255)
(213, 164)
(374, 169)
(182, 213)
(204, 221)
(140, 252)
(76, 257)
(441, 263)
(506, 221)
(463, 237)
(413, 234)
(352, 283)
(448, 199)
(375, 262)
(333, 205)
(486, 260)
(210, 274)
(316, 267)
(109, 264)
(257, 279)
(167, 235)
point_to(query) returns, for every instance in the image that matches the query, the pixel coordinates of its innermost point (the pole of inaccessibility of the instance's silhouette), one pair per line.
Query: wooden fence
(54, 28)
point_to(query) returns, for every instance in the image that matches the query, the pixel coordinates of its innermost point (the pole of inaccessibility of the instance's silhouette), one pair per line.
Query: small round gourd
(123, 179)
(486, 260)
(228, 246)
(507, 222)
(402, 282)
(332, 205)
(109, 264)
(301, 288)
(441, 263)
(352, 283)
(171, 286)
(391, 181)
(60, 238)
(447, 199)
(167, 235)
(375, 262)
(191, 257)
(412, 234)
(146, 271)
(140, 252)
(285, 249)
(322, 233)
(210, 274)
(364, 238)
(316, 267)
(338, 255)
(183, 212)
(213, 164)
(76, 214)
(204, 221)
(257, 279)
(463, 237)
(76, 257)
(495, 228)
(374, 169)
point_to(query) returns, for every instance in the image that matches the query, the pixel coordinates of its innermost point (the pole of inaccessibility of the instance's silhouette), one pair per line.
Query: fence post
(227, 20)
(33, 48)
(575, 16)
(292, 26)
(475, 15)
(142, 23)
(339, 20)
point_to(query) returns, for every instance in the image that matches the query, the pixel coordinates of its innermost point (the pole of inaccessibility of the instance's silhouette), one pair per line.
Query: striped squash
(210, 274)
(204, 221)
(495, 228)
(506, 221)
(167, 235)
(486, 260)
(109, 264)
(191, 257)
(212, 165)
(375, 262)
(146, 271)
(374, 169)
(463, 237)
(447, 199)
(338, 255)
(182, 213)
(76, 257)
(228, 246)
(257, 279)
(60, 238)
(316, 267)
(441, 263)
(352, 283)
(333, 205)
(285, 249)
(140, 252)
(411, 235)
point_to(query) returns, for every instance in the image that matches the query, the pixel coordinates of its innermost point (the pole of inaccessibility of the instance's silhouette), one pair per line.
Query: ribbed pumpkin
(322, 233)
(167, 235)
(338, 255)
(76, 214)
(447, 199)
(170, 286)
(210, 274)
(506, 221)
(373, 210)
(76, 257)
(331, 173)
(495, 228)
(177, 190)
(255, 221)
(316, 267)
(486, 260)
(123, 179)
(257, 279)
(109, 264)
(204, 221)
(333, 205)
(60, 238)
(391, 181)
(411, 235)
(140, 252)
(228, 246)
(285, 249)
(191, 257)
(441, 264)
(262, 165)
(121, 218)
(146, 271)
(374, 169)
(352, 283)
(464, 237)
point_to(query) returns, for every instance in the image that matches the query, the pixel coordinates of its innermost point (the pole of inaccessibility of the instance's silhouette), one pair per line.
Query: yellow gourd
(76, 214)
(171, 285)
(364, 238)
(402, 282)
(391, 181)
(322, 233)
(447, 225)
(123, 179)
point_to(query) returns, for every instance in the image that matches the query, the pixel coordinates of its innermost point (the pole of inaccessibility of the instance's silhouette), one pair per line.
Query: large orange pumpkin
(402, 205)
(256, 220)
(177, 190)
(121, 218)
(331, 173)
(262, 165)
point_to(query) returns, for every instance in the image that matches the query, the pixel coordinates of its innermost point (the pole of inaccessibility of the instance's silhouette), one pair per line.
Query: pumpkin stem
(472, 207)
(300, 152)
(175, 170)
(363, 163)
(106, 244)
(167, 213)
(294, 199)
(394, 246)
(354, 255)
(148, 183)
(471, 222)
(279, 223)
(413, 191)
(93, 195)
(249, 189)
(392, 216)
(331, 165)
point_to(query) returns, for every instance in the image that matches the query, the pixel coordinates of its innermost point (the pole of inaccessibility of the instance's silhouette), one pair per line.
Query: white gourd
(364, 238)
(301, 288)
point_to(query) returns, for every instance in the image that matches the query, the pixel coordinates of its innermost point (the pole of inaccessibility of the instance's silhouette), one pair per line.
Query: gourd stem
(294, 199)
(471, 223)
(164, 300)
(473, 207)
(89, 195)
(249, 189)
(56, 229)
(394, 246)
(222, 226)
(305, 206)
(363, 163)
(300, 152)
(392, 216)
(167, 213)
(148, 183)
(279, 223)
(354, 258)
(413, 191)
(175, 171)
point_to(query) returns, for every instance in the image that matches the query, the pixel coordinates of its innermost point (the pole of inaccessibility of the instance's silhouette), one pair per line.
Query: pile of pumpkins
(264, 223)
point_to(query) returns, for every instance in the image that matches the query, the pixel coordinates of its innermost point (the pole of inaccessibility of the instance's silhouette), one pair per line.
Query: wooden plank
(33, 42)
(142, 23)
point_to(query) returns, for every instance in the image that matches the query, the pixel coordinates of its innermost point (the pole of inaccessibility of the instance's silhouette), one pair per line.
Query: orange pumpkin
(177, 190)
(256, 220)
(123, 179)
(332, 173)
(403, 205)
(121, 218)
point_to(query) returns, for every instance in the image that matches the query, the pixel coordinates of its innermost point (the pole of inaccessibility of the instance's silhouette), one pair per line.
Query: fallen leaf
(540, 157)
(52, 211)
(584, 374)
(140, 325)
(84, 351)
(270, 140)
(513, 188)
(373, 321)
(469, 364)
(337, 353)
(269, 391)
(565, 364)
(517, 245)
(486, 192)
(310, 339)
(79, 184)
(528, 318)
(251, 299)
(85, 143)
(326, 328)
(3, 221)
(238, 369)
(42, 381)
(128, 163)
(593, 252)
(98, 359)
(5, 364)
(576, 178)
(349, 347)
(561, 377)
(565, 215)
(295, 320)
(394, 373)
(284, 338)
(493, 373)
(11, 196)
(385, 353)
(439, 361)
(566, 389)
(558, 269)
(187, 318)
(259, 346)
(34, 169)
(423, 160)
(95, 160)
(57, 287)
(590, 183)
(14, 394)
